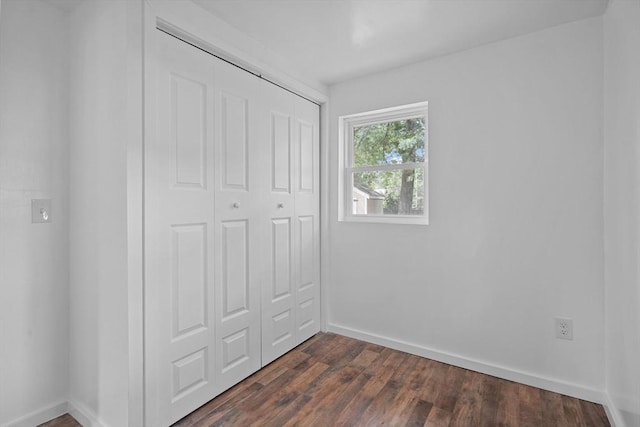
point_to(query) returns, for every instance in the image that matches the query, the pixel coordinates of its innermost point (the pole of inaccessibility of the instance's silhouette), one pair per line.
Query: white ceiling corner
(335, 40)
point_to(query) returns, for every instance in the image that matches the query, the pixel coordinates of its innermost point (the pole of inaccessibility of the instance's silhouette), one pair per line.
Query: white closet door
(180, 231)
(231, 219)
(291, 292)
(279, 298)
(306, 220)
(237, 170)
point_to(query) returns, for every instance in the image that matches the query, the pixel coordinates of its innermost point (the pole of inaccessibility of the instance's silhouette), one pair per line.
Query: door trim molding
(135, 105)
(189, 22)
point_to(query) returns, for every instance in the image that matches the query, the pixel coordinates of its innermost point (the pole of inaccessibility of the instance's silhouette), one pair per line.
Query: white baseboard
(40, 416)
(615, 419)
(562, 387)
(77, 410)
(616, 406)
(84, 415)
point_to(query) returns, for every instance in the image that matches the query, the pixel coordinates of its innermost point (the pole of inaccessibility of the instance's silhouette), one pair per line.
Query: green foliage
(397, 142)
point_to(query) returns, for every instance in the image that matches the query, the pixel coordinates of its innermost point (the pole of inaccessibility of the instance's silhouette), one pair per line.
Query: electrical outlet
(564, 328)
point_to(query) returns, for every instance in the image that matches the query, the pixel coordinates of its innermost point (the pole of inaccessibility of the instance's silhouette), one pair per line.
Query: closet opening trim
(173, 32)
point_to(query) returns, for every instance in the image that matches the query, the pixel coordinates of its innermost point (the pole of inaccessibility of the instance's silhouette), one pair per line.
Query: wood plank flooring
(331, 380)
(65, 420)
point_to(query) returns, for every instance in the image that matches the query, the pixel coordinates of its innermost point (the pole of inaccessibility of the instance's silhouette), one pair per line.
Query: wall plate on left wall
(40, 210)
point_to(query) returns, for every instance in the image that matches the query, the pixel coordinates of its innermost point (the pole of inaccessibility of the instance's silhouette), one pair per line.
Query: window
(384, 158)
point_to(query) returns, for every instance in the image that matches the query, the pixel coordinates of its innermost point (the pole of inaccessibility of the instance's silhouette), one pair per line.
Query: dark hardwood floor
(331, 380)
(65, 420)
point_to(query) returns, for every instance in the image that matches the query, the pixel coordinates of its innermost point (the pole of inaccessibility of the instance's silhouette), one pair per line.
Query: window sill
(374, 219)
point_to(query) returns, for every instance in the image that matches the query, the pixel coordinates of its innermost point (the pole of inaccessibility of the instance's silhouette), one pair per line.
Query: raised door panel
(188, 130)
(237, 229)
(234, 161)
(188, 279)
(280, 143)
(307, 156)
(235, 268)
(178, 215)
(281, 259)
(190, 373)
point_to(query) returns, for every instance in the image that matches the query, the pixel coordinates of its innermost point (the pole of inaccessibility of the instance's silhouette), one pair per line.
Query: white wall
(516, 221)
(98, 213)
(622, 209)
(33, 257)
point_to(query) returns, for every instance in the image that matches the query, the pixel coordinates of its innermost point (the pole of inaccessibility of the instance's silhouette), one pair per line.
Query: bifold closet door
(231, 223)
(291, 294)
(202, 301)
(238, 173)
(180, 233)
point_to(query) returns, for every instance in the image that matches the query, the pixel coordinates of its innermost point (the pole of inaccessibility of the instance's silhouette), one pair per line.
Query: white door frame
(188, 20)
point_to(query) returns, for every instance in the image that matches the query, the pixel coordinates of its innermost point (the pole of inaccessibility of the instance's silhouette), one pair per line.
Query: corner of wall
(621, 34)
(99, 351)
(613, 414)
(84, 415)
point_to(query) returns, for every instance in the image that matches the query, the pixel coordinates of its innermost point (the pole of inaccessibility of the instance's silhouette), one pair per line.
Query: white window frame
(346, 125)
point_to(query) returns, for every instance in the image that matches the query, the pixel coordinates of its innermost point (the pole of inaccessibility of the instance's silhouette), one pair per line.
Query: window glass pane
(388, 192)
(395, 142)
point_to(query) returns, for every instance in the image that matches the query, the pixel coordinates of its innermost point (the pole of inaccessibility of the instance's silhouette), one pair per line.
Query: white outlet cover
(564, 328)
(40, 210)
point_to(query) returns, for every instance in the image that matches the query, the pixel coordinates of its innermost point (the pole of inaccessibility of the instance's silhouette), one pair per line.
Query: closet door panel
(235, 272)
(278, 303)
(189, 291)
(307, 227)
(188, 110)
(280, 143)
(280, 267)
(179, 218)
(307, 156)
(237, 229)
(234, 150)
